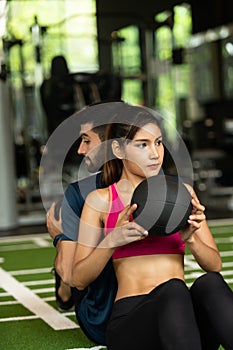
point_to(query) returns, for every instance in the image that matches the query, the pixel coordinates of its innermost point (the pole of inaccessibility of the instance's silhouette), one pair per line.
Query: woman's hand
(125, 231)
(199, 238)
(195, 219)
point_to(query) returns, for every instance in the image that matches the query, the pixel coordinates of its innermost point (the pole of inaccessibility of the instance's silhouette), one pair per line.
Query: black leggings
(213, 304)
(163, 319)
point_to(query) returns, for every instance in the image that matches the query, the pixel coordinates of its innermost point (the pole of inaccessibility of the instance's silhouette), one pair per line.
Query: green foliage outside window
(71, 31)
(67, 27)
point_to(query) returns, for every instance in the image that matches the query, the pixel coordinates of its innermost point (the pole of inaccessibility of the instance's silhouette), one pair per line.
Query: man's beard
(92, 167)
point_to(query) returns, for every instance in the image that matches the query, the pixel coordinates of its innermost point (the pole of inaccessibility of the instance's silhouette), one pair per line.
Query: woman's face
(144, 154)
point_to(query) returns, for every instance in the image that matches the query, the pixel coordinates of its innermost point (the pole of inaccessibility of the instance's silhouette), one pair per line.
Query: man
(64, 230)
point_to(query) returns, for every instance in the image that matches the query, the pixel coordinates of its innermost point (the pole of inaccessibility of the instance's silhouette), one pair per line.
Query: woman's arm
(93, 251)
(199, 238)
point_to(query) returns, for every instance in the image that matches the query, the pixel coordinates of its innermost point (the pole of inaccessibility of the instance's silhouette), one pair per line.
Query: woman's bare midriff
(151, 269)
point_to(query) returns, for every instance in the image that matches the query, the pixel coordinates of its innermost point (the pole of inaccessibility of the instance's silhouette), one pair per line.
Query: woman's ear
(117, 150)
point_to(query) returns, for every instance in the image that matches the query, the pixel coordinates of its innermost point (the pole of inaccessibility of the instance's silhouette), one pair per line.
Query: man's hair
(99, 114)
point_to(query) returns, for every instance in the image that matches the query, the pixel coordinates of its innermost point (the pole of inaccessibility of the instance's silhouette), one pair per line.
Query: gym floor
(29, 318)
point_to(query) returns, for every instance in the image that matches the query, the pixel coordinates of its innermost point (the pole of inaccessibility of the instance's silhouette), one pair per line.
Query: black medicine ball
(163, 204)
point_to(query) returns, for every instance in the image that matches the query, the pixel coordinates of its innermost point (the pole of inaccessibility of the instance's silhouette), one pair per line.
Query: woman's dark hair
(123, 127)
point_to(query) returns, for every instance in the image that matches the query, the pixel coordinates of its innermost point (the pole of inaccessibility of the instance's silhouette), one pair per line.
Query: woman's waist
(139, 275)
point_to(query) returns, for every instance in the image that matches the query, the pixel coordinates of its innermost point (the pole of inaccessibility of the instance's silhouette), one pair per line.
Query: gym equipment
(163, 204)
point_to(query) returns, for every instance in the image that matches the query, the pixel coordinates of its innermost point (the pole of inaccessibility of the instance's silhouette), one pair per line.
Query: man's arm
(63, 230)
(54, 225)
(70, 214)
(64, 259)
(65, 249)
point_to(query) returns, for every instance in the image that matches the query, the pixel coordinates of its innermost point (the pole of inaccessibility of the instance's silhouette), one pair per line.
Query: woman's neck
(129, 181)
(125, 191)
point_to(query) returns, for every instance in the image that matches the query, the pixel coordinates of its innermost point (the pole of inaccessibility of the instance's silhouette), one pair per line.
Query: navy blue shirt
(73, 203)
(93, 305)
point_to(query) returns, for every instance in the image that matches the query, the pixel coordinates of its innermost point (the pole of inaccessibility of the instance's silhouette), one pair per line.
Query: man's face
(90, 148)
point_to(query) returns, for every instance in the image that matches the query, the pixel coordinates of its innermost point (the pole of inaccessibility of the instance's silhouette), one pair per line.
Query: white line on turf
(220, 222)
(43, 290)
(22, 238)
(29, 317)
(9, 302)
(25, 242)
(19, 318)
(39, 283)
(30, 271)
(41, 242)
(15, 302)
(12, 248)
(94, 348)
(32, 302)
(227, 253)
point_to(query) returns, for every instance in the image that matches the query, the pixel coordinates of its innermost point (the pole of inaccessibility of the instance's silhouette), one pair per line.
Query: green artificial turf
(29, 259)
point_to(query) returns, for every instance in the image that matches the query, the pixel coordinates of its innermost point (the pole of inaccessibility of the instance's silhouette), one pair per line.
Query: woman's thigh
(163, 319)
(213, 304)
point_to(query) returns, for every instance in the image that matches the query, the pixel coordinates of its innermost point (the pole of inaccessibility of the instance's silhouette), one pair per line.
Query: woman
(153, 307)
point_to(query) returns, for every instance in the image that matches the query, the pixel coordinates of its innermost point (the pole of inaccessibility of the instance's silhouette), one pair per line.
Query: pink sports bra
(152, 244)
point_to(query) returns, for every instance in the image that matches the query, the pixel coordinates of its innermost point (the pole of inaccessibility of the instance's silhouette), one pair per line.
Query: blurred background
(58, 56)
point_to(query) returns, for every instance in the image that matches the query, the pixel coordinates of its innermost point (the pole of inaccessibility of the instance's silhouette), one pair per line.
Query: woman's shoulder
(101, 193)
(99, 196)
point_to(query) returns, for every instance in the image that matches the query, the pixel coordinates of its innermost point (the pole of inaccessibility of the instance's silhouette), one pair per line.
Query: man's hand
(53, 225)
